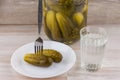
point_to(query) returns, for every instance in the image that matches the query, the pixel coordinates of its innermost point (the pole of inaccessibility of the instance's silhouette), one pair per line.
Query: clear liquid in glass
(92, 51)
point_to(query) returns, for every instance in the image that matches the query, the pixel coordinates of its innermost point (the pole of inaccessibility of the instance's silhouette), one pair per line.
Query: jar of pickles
(63, 19)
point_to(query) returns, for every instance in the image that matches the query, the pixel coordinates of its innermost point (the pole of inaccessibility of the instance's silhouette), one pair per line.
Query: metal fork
(38, 46)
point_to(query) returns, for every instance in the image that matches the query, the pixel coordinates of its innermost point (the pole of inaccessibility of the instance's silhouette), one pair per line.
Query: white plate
(55, 69)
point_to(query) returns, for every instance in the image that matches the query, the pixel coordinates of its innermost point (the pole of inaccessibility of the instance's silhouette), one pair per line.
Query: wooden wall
(18, 11)
(25, 12)
(104, 12)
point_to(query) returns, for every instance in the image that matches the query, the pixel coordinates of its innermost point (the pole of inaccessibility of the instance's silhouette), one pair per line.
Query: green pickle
(45, 60)
(55, 55)
(38, 60)
(63, 19)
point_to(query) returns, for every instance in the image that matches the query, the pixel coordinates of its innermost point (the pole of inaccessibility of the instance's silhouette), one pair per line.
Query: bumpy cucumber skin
(55, 55)
(52, 25)
(63, 25)
(49, 56)
(38, 60)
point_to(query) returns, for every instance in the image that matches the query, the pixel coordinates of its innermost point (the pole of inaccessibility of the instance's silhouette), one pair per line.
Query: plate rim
(55, 75)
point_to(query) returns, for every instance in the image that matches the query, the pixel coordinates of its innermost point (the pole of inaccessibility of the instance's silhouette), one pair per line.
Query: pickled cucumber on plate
(55, 55)
(45, 59)
(38, 60)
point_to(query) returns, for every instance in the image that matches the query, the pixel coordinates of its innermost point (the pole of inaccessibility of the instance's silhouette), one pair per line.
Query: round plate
(55, 69)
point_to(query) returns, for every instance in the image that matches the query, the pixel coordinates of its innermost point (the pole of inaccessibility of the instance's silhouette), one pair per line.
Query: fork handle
(39, 15)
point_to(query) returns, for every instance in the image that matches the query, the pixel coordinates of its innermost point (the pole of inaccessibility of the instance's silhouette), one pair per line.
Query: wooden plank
(14, 36)
(18, 35)
(18, 11)
(25, 12)
(104, 12)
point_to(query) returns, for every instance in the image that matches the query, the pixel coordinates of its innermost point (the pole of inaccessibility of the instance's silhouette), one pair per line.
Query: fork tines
(38, 47)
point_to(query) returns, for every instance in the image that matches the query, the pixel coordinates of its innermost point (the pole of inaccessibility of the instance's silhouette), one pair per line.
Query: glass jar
(63, 19)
